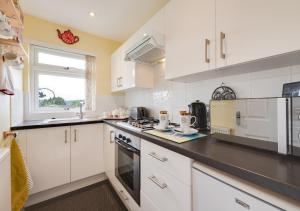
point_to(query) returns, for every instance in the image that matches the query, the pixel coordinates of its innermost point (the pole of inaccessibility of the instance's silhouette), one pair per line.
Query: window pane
(60, 91)
(50, 59)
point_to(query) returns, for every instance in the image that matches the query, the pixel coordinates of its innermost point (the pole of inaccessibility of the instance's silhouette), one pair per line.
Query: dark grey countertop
(270, 170)
(267, 169)
(41, 124)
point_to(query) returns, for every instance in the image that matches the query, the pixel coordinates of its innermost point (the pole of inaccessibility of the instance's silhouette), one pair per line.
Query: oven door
(128, 168)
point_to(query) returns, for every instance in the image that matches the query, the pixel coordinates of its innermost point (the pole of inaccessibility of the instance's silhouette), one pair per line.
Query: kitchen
(149, 105)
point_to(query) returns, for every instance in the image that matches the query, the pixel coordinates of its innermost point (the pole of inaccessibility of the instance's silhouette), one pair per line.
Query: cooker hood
(149, 50)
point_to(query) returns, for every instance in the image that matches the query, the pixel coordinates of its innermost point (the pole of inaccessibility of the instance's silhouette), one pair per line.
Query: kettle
(198, 109)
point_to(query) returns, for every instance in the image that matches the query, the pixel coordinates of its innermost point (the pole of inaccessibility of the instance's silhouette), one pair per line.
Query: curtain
(90, 83)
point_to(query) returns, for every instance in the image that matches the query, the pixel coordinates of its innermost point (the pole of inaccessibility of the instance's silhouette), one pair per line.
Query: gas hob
(139, 125)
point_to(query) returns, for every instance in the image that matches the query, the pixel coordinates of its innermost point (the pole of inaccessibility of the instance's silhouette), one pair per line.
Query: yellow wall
(37, 29)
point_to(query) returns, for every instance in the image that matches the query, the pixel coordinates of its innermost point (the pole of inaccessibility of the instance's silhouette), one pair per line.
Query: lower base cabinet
(48, 157)
(86, 151)
(165, 179)
(60, 155)
(211, 194)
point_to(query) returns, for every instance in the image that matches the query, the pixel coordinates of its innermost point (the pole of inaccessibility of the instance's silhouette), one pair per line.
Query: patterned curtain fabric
(90, 83)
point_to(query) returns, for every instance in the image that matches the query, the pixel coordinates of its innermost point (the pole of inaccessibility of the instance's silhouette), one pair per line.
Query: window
(61, 80)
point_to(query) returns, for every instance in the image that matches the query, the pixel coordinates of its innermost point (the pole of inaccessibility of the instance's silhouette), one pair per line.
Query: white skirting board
(54, 192)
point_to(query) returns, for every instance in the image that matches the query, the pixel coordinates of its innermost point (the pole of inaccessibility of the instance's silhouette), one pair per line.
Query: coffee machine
(198, 109)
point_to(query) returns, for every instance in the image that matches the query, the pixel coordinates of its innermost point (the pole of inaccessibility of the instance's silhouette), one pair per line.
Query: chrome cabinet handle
(162, 185)
(243, 204)
(123, 195)
(154, 155)
(118, 82)
(207, 42)
(66, 136)
(238, 118)
(222, 38)
(75, 135)
(121, 81)
(110, 135)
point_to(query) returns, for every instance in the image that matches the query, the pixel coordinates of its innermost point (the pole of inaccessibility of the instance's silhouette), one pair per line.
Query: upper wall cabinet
(190, 37)
(203, 35)
(254, 29)
(128, 75)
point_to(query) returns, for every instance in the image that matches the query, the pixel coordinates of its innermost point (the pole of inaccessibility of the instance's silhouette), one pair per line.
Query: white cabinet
(48, 156)
(190, 37)
(5, 180)
(256, 29)
(238, 32)
(131, 75)
(127, 75)
(117, 70)
(86, 151)
(60, 155)
(109, 152)
(211, 194)
(165, 179)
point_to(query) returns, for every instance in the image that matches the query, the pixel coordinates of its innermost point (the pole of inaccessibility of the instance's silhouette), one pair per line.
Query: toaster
(138, 113)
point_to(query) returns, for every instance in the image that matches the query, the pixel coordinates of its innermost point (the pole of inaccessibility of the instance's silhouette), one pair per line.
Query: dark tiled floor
(97, 197)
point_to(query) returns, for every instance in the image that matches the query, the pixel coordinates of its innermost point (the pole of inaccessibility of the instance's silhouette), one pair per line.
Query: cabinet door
(210, 194)
(86, 151)
(256, 29)
(48, 157)
(115, 69)
(109, 152)
(189, 26)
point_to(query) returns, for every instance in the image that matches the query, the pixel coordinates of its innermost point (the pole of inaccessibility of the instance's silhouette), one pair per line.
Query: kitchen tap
(80, 110)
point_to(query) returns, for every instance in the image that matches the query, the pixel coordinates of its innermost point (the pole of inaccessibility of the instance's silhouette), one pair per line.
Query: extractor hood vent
(149, 50)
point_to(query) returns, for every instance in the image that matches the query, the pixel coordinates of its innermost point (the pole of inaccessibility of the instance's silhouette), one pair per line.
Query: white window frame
(37, 68)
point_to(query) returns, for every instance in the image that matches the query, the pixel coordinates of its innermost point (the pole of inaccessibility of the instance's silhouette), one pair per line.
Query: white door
(256, 29)
(86, 151)
(118, 70)
(48, 156)
(190, 37)
(210, 194)
(114, 70)
(5, 180)
(257, 119)
(109, 152)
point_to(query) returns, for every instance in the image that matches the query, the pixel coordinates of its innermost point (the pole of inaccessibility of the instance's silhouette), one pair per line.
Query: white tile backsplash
(175, 96)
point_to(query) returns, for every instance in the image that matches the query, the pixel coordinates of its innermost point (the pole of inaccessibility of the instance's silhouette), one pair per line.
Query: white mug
(163, 120)
(185, 122)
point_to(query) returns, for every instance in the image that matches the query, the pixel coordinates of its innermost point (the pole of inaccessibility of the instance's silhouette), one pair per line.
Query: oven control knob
(124, 138)
(128, 140)
(120, 136)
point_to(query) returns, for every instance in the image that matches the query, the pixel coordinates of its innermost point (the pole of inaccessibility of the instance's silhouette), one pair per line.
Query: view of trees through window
(60, 91)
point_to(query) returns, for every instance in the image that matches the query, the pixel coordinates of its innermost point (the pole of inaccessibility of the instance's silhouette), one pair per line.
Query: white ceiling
(114, 19)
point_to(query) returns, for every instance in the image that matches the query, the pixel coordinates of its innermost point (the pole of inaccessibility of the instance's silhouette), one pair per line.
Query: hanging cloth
(6, 85)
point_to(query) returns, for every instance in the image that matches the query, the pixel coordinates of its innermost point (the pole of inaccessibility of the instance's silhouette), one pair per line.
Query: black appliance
(292, 91)
(127, 162)
(138, 113)
(198, 109)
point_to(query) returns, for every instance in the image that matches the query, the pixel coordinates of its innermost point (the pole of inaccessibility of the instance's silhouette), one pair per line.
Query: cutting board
(172, 137)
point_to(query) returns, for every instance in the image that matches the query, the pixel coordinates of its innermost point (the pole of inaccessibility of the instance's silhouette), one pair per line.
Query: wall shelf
(13, 45)
(12, 12)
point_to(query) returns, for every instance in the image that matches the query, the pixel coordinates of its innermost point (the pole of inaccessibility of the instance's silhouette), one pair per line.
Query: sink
(70, 119)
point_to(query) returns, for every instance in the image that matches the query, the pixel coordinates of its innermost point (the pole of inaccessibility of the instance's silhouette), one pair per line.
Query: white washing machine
(5, 180)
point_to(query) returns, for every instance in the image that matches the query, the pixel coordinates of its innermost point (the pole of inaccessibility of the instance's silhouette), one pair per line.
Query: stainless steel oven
(128, 163)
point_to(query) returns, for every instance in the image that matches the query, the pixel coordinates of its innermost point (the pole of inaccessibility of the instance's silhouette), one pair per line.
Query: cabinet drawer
(177, 165)
(165, 191)
(147, 204)
(206, 188)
